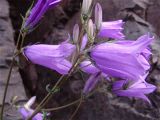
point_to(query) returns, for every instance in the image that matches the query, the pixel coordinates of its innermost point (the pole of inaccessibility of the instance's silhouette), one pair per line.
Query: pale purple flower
(38, 11)
(91, 82)
(128, 60)
(112, 29)
(51, 56)
(137, 89)
(26, 110)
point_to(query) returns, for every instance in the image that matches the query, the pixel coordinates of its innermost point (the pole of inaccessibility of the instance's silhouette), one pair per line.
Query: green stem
(49, 95)
(22, 42)
(75, 112)
(61, 107)
(70, 104)
(6, 87)
(9, 75)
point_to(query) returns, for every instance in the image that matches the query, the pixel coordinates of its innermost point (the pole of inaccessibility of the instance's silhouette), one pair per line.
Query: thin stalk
(9, 75)
(69, 104)
(75, 112)
(49, 95)
(11, 67)
(45, 100)
(23, 38)
(61, 107)
(6, 87)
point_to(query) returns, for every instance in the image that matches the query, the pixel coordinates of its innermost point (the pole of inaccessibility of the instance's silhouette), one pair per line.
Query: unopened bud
(90, 28)
(86, 6)
(30, 102)
(98, 16)
(76, 33)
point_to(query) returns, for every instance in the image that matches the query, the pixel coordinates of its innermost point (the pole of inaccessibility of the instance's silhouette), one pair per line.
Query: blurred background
(140, 16)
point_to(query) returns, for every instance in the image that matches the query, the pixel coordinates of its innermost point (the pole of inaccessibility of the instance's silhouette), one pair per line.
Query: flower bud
(76, 33)
(98, 16)
(91, 82)
(30, 102)
(86, 6)
(90, 28)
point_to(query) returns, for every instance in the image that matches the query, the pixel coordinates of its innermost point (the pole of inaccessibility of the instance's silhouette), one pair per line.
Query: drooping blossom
(26, 110)
(112, 29)
(51, 56)
(138, 89)
(91, 82)
(38, 11)
(128, 60)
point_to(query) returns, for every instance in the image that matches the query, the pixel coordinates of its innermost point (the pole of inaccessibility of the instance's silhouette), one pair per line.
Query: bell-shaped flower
(37, 12)
(27, 111)
(112, 29)
(50, 56)
(128, 60)
(137, 89)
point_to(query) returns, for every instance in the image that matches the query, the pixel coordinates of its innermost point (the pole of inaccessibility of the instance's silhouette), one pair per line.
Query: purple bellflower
(51, 56)
(38, 11)
(130, 88)
(26, 111)
(112, 29)
(123, 59)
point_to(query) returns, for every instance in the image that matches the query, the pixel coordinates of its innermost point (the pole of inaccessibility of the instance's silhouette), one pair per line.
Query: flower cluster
(125, 60)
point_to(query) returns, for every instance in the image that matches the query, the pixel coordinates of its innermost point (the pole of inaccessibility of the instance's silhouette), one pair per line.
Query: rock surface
(7, 46)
